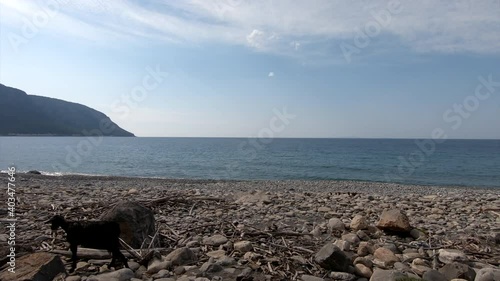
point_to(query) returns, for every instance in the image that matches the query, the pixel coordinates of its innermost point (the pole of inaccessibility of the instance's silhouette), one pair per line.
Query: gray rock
(452, 255)
(157, 265)
(243, 246)
(386, 256)
(488, 274)
(394, 220)
(182, 256)
(352, 238)
(434, 275)
(343, 245)
(311, 278)
(458, 270)
(335, 224)
(209, 267)
(215, 240)
(417, 234)
(331, 257)
(362, 270)
(137, 222)
(386, 275)
(342, 276)
(365, 249)
(37, 266)
(123, 274)
(359, 222)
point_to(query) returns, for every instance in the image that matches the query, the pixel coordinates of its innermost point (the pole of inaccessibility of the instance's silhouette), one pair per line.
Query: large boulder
(330, 257)
(182, 256)
(458, 270)
(137, 222)
(488, 274)
(451, 255)
(40, 266)
(394, 220)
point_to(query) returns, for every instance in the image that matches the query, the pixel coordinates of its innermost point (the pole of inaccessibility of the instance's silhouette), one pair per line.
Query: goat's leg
(117, 255)
(113, 261)
(74, 248)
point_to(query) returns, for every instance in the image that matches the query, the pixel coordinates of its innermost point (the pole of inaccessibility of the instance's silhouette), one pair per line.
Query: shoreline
(299, 185)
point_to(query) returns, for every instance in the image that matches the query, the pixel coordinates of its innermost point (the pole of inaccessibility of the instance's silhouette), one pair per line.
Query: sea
(474, 163)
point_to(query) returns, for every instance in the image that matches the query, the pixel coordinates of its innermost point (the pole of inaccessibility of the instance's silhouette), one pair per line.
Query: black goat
(90, 234)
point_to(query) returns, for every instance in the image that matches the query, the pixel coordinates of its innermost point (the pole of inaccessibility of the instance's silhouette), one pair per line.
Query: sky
(275, 68)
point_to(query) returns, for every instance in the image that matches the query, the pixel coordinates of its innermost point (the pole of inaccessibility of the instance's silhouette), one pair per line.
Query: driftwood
(89, 253)
(171, 199)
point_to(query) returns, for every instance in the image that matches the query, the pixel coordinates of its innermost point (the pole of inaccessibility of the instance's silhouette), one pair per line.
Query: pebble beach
(273, 230)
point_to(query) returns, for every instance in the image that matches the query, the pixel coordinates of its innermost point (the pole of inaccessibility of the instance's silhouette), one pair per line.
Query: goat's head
(56, 222)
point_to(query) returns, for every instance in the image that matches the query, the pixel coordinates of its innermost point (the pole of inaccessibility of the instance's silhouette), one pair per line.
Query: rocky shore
(268, 230)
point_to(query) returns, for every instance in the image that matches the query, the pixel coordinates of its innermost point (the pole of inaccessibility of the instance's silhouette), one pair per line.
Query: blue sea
(452, 162)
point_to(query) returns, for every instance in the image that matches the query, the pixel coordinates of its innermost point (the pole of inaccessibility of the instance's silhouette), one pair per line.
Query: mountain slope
(23, 114)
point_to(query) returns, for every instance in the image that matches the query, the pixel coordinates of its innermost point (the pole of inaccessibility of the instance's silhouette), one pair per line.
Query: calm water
(454, 162)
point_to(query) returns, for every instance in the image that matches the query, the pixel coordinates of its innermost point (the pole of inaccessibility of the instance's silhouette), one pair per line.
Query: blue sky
(381, 69)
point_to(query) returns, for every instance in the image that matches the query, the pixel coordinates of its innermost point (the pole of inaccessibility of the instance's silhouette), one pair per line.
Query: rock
(136, 222)
(311, 278)
(37, 266)
(495, 236)
(359, 222)
(299, 259)
(343, 245)
(132, 191)
(331, 257)
(324, 209)
(335, 224)
(215, 240)
(226, 261)
(352, 238)
(157, 265)
(417, 234)
(368, 263)
(342, 276)
(365, 249)
(386, 275)
(182, 256)
(434, 275)
(458, 270)
(243, 246)
(451, 255)
(488, 274)
(216, 254)
(162, 273)
(209, 267)
(362, 270)
(394, 220)
(420, 269)
(386, 256)
(73, 278)
(123, 274)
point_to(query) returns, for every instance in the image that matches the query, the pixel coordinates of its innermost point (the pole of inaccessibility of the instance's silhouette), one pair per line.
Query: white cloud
(271, 74)
(281, 26)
